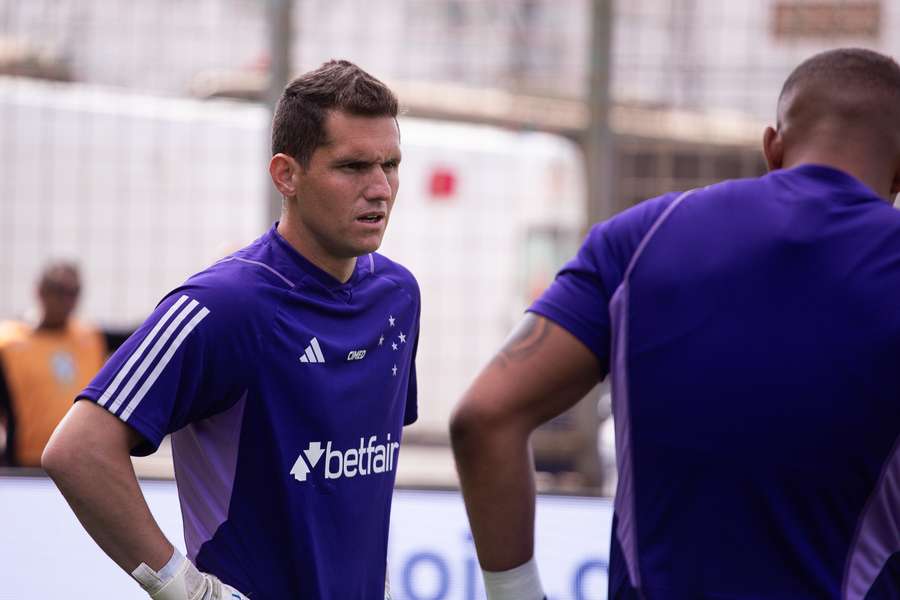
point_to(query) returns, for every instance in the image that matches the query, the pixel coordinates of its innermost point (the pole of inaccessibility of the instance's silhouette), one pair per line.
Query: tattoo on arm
(525, 340)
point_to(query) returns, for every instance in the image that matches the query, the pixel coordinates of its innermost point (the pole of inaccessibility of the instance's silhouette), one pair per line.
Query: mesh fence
(132, 137)
(700, 56)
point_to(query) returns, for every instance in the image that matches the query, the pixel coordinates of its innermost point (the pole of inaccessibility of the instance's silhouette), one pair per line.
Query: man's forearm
(497, 479)
(93, 470)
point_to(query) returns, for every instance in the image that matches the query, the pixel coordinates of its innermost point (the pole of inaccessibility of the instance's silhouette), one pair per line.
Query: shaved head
(841, 108)
(845, 91)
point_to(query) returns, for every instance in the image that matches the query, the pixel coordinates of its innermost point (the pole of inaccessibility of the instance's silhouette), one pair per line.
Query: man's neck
(341, 269)
(43, 325)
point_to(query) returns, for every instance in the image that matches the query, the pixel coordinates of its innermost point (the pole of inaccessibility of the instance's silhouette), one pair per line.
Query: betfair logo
(367, 459)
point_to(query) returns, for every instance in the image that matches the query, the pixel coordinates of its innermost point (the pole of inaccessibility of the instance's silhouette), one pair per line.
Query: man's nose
(379, 186)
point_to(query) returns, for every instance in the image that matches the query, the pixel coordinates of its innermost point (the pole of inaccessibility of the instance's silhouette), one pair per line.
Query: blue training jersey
(286, 393)
(751, 331)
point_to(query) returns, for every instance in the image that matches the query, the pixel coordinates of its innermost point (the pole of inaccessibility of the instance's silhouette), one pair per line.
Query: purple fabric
(626, 530)
(205, 456)
(878, 532)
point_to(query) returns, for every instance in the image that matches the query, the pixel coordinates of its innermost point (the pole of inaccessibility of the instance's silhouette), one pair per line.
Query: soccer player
(751, 331)
(284, 372)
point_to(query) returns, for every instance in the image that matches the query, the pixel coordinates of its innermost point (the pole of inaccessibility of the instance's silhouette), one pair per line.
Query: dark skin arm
(541, 371)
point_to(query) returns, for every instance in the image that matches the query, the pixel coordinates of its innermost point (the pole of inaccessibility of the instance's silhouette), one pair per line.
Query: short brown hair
(299, 124)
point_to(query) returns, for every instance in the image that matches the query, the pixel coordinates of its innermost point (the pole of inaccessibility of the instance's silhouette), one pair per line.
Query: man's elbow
(462, 424)
(57, 455)
(66, 449)
(476, 421)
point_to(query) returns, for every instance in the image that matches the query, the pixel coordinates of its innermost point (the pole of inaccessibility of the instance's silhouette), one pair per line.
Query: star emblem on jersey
(397, 341)
(313, 353)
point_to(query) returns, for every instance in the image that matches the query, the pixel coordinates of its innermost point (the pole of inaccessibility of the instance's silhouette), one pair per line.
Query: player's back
(762, 392)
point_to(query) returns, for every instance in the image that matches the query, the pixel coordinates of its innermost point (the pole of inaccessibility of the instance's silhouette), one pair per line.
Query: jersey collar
(300, 265)
(858, 190)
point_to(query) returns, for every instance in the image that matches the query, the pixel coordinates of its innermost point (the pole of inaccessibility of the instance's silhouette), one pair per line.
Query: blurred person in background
(42, 366)
(285, 373)
(751, 331)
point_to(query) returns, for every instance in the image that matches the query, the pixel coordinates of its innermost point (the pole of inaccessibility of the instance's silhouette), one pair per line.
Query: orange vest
(10, 330)
(44, 372)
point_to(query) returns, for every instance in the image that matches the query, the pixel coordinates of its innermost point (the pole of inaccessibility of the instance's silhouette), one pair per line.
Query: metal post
(279, 17)
(599, 146)
(602, 204)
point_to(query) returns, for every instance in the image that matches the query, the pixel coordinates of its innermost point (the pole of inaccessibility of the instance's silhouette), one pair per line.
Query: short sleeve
(578, 299)
(183, 364)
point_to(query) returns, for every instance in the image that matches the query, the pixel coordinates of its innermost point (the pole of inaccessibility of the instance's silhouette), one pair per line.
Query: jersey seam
(861, 520)
(623, 292)
(645, 240)
(259, 263)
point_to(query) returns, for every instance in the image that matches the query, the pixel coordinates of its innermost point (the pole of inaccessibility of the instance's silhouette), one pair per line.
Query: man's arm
(88, 457)
(541, 371)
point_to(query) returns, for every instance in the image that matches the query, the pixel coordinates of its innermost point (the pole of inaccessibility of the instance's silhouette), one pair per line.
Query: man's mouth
(371, 218)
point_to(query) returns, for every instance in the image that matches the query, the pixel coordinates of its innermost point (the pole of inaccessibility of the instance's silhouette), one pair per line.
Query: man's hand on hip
(179, 579)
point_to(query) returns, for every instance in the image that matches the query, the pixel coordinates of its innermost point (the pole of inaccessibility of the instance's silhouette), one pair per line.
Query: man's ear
(282, 169)
(773, 148)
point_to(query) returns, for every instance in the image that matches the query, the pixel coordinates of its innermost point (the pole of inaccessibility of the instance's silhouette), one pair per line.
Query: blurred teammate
(751, 330)
(285, 373)
(43, 366)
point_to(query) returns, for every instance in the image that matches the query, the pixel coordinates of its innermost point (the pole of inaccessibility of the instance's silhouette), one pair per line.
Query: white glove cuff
(177, 580)
(520, 583)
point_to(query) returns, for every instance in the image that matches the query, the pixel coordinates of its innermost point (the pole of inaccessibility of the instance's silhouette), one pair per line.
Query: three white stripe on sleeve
(161, 343)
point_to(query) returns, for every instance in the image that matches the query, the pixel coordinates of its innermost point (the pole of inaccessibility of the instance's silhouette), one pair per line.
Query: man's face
(58, 293)
(346, 193)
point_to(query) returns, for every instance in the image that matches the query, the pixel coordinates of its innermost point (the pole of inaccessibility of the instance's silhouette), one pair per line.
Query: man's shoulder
(235, 290)
(14, 334)
(245, 270)
(750, 188)
(633, 224)
(244, 273)
(11, 331)
(384, 267)
(619, 236)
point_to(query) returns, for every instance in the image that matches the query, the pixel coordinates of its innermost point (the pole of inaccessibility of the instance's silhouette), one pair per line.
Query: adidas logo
(313, 353)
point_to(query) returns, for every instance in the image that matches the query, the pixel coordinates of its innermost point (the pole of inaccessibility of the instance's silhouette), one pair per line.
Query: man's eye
(355, 166)
(391, 165)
